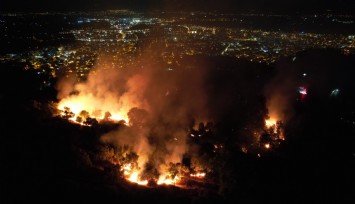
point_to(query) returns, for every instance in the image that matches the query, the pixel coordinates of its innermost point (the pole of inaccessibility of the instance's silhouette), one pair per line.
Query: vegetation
(48, 159)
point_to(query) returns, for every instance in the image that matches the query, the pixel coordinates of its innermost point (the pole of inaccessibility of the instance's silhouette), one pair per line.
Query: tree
(107, 116)
(79, 119)
(91, 121)
(68, 113)
(84, 114)
(150, 171)
(126, 156)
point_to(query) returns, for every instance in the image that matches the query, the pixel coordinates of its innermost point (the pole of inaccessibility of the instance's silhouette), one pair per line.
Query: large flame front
(95, 107)
(104, 95)
(168, 180)
(133, 176)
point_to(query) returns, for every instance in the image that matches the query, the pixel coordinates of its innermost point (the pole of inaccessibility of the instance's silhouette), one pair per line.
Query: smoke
(158, 104)
(282, 91)
(65, 86)
(134, 138)
(103, 91)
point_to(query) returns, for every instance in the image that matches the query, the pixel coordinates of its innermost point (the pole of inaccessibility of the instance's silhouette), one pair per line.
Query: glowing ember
(267, 146)
(198, 175)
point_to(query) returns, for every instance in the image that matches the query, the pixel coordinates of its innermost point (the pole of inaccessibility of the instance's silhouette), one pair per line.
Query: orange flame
(95, 107)
(198, 175)
(270, 122)
(133, 176)
(167, 180)
(134, 179)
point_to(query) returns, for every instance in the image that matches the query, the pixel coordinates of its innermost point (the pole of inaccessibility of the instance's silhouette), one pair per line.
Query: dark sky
(342, 6)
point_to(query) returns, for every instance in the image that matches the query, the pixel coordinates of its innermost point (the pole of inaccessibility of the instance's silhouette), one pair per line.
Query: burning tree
(137, 117)
(67, 113)
(272, 135)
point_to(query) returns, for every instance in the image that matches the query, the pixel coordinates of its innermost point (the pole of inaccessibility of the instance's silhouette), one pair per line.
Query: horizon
(228, 6)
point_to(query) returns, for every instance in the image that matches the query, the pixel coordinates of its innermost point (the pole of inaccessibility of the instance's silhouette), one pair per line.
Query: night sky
(340, 6)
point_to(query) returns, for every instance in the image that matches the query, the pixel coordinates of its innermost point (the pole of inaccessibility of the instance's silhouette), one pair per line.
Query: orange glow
(267, 146)
(127, 168)
(165, 179)
(134, 179)
(95, 107)
(133, 176)
(198, 175)
(105, 95)
(270, 122)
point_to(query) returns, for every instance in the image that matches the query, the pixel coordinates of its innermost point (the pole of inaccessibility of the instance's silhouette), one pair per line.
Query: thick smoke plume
(159, 105)
(104, 91)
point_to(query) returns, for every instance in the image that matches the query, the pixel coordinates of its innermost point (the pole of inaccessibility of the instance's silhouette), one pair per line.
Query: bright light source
(335, 92)
(270, 122)
(302, 90)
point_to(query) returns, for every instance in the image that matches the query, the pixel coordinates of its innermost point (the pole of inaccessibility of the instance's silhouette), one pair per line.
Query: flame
(127, 168)
(163, 179)
(131, 175)
(167, 180)
(270, 122)
(134, 178)
(198, 175)
(95, 107)
(267, 146)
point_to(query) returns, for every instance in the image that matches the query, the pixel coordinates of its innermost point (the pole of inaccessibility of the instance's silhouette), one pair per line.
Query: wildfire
(163, 179)
(134, 178)
(167, 180)
(79, 108)
(103, 96)
(132, 175)
(127, 169)
(199, 175)
(270, 122)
